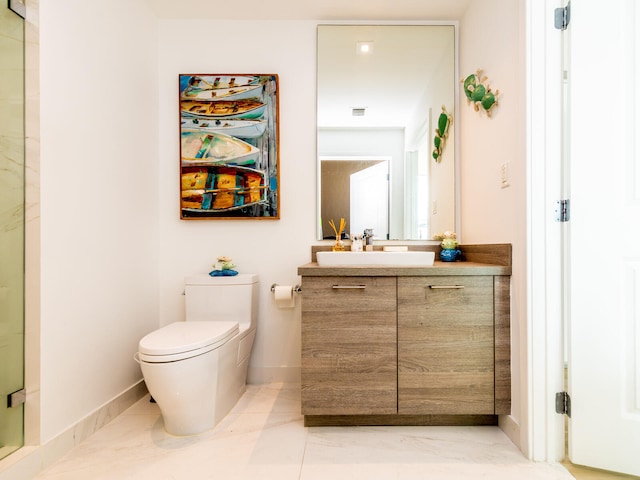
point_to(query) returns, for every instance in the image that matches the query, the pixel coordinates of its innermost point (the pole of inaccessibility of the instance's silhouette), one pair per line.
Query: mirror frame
(455, 124)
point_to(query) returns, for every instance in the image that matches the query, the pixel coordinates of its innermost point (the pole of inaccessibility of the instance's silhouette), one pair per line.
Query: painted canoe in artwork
(206, 148)
(248, 108)
(202, 83)
(235, 128)
(235, 93)
(222, 188)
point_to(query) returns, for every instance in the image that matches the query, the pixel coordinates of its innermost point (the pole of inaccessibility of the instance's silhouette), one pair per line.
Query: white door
(369, 200)
(604, 229)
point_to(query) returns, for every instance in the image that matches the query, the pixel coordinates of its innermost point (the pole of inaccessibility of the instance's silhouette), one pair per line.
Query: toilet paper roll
(284, 296)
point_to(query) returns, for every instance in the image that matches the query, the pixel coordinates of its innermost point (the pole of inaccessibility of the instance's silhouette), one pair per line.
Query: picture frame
(229, 146)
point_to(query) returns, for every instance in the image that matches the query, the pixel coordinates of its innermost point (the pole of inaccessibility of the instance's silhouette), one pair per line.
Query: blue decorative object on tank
(223, 273)
(450, 255)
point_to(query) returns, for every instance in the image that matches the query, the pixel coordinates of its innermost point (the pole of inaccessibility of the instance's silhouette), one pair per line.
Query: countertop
(438, 269)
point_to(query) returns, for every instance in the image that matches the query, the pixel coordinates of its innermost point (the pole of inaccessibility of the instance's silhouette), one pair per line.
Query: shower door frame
(12, 228)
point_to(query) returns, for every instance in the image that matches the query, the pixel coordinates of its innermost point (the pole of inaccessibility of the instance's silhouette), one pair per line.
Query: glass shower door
(11, 230)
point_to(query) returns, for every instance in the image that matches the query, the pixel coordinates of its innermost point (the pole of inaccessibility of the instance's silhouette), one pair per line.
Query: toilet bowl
(196, 370)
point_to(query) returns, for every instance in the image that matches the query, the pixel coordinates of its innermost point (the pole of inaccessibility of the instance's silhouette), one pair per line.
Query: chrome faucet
(368, 237)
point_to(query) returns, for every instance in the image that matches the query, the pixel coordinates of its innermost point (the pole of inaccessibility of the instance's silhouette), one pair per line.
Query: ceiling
(311, 9)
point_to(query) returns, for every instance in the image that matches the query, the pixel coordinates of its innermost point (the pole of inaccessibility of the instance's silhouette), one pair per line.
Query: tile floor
(264, 438)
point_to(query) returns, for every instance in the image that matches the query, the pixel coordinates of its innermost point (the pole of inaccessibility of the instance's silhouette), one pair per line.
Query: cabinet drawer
(446, 345)
(349, 363)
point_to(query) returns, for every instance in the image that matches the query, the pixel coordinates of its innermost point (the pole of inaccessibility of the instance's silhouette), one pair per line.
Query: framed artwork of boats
(229, 146)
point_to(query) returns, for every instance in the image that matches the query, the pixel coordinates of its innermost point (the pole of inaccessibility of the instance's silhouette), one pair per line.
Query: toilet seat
(181, 340)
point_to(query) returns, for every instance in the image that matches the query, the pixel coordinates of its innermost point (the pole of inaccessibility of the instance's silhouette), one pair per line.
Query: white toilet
(197, 370)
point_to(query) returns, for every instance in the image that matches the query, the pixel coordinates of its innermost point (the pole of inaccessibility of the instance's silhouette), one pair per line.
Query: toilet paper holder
(296, 289)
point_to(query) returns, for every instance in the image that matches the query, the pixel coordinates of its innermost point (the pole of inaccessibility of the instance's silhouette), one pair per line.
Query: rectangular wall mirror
(380, 91)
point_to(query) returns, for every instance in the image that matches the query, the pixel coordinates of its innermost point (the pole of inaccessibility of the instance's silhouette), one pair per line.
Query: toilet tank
(215, 299)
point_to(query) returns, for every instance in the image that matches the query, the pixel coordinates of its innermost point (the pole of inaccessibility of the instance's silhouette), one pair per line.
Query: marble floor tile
(263, 438)
(418, 452)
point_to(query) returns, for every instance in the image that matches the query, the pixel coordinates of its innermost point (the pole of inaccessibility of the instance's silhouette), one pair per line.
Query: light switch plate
(504, 175)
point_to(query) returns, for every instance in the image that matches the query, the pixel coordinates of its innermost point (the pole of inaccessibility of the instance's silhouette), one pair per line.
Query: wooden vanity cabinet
(446, 345)
(349, 346)
(402, 346)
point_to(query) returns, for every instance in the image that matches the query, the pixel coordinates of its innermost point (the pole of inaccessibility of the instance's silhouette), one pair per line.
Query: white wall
(271, 248)
(492, 38)
(99, 191)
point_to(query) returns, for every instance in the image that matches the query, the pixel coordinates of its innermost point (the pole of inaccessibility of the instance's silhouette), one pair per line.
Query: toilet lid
(181, 340)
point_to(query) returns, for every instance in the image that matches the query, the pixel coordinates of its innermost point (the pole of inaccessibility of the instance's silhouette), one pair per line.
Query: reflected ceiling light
(364, 48)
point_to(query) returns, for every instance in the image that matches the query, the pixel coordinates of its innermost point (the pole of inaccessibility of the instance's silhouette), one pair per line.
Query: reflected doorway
(356, 189)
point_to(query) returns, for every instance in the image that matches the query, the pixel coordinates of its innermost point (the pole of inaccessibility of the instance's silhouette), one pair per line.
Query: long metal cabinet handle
(446, 287)
(349, 287)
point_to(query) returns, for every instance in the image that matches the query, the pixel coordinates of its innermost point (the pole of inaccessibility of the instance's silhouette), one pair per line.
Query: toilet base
(195, 394)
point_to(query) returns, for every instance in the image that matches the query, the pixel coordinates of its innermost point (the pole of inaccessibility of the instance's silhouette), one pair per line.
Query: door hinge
(563, 404)
(562, 17)
(18, 7)
(16, 398)
(563, 210)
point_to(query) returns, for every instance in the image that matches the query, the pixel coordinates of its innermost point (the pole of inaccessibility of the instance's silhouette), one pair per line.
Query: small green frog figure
(479, 93)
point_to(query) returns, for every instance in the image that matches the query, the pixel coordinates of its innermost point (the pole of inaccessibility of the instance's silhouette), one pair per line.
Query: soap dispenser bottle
(356, 243)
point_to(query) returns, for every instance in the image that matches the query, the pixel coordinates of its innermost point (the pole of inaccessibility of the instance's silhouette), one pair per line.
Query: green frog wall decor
(442, 131)
(478, 92)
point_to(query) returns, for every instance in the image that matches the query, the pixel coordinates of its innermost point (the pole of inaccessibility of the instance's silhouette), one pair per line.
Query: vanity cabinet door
(349, 346)
(446, 345)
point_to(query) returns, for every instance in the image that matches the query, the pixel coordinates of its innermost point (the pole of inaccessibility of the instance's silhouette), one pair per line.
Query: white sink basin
(415, 259)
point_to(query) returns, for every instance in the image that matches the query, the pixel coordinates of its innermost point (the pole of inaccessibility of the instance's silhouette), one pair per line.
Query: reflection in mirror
(363, 184)
(377, 114)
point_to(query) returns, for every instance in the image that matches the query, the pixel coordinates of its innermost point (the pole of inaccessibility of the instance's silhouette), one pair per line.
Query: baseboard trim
(511, 428)
(26, 462)
(262, 375)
